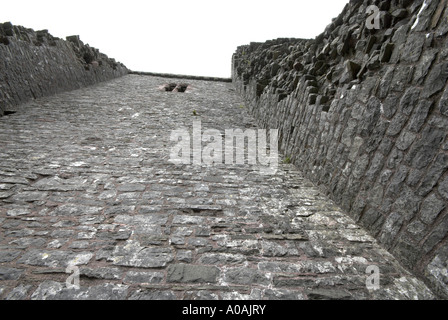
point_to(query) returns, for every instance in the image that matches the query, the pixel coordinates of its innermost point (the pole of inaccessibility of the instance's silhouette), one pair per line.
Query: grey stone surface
(409, 100)
(133, 277)
(436, 80)
(433, 175)
(153, 295)
(420, 115)
(246, 276)
(443, 106)
(426, 148)
(443, 188)
(134, 255)
(101, 273)
(8, 256)
(414, 47)
(10, 273)
(191, 273)
(326, 294)
(55, 259)
(431, 208)
(51, 290)
(19, 293)
(438, 269)
(384, 120)
(140, 227)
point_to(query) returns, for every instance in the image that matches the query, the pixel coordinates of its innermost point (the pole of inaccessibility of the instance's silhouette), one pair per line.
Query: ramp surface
(86, 186)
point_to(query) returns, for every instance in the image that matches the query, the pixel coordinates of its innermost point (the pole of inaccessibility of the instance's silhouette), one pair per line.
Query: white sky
(193, 37)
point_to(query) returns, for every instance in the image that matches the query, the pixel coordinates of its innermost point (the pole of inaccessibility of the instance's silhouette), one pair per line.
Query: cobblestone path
(85, 181)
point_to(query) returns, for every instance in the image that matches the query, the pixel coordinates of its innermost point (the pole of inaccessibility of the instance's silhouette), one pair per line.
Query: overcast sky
(194, 37)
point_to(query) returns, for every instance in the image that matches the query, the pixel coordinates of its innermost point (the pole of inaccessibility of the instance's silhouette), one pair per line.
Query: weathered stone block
(425, 149)
(101, 273)
(153, 295)
(328, 294)
(443, 104)
(131, 187)
(407, 252)
(75, 210)
(434, 173)
(221, 258)
(51, 290)
(409, 100)
(133, 255)
(443, 188)
(436, 270)
(417, 230)
(414, 47)
(397, 124)
(246, 276)
(283, 295)
(431, 208)
(402, 77)
(141, 277)
(436, 80)
(54, 259)
(186, 273)
(420, 115)
(390, 105)
(396, 183)
(407, 203)
(405, 140)
(386, 81)
(423, 67)
(10, 273)
(19, 293)
(390, 229)
(436, 236)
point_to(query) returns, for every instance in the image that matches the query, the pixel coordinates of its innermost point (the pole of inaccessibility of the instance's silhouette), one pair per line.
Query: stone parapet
(35, 64)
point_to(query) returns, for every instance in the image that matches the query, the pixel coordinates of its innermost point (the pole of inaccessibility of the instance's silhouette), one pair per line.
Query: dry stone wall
(363, 110)
(35, 64)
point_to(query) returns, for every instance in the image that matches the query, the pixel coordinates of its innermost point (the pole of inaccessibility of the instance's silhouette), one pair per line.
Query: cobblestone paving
(85, 180)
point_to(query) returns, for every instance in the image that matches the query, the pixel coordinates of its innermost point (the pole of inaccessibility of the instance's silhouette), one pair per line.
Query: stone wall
(181, 76)
(35, 64)
(364, 113)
